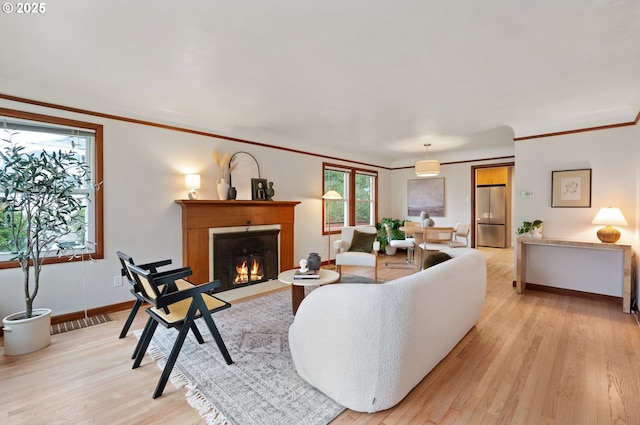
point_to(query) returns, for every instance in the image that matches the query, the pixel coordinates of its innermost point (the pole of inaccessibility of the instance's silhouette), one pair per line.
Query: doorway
(491, 205)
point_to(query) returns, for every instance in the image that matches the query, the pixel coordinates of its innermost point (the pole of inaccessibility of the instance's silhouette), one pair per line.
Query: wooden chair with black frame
(173, 308)
(135, 288)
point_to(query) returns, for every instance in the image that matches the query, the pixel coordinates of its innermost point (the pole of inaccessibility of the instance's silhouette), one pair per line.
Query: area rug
(79, 324)
(261, 386)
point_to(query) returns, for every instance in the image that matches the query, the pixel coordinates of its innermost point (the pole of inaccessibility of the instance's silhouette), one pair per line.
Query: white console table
(626, 251)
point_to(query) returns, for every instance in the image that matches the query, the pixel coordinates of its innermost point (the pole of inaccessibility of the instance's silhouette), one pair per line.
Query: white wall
(612, 154)
(456, 171)
(144, 171)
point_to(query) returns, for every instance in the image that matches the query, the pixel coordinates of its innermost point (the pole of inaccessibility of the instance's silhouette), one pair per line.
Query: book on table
(310, 274)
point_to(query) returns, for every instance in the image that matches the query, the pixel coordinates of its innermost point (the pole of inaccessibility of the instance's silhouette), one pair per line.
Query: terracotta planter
(22, 336)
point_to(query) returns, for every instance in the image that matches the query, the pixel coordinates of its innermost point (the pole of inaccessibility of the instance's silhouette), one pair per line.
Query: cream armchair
(356, 247)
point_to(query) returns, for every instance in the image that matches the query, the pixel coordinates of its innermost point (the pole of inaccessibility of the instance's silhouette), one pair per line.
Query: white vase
(22, 336)
(223, 189)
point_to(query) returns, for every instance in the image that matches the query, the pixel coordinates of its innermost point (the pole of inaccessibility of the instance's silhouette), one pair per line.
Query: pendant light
(427, 167)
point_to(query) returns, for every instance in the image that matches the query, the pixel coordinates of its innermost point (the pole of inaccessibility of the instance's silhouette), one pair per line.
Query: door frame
(472, 242)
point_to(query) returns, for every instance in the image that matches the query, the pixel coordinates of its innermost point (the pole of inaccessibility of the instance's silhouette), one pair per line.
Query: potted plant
(394, 226)
(39, 207)
(530, 228)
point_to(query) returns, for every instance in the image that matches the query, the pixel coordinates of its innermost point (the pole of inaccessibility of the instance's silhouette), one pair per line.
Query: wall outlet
(117, 281)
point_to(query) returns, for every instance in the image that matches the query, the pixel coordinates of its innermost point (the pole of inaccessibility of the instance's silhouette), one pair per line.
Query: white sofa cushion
(367, 346)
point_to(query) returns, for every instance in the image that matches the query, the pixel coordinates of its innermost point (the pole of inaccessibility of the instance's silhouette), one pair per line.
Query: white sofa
(366, 346)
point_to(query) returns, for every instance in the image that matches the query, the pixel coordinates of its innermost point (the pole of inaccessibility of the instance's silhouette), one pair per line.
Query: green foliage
(394, 225)
(528, 226)
(39, 206)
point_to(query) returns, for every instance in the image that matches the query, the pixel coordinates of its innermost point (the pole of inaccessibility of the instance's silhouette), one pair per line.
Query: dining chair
(461, 232)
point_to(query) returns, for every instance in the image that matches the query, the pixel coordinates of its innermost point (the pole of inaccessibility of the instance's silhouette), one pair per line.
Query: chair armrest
(169, 278)
(153, 267)
(340, 245)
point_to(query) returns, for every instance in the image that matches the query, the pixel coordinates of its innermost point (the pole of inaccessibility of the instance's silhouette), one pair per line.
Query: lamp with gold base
(609, 217)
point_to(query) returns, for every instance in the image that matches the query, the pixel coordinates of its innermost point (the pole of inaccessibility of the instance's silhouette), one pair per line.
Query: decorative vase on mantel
(223, 189)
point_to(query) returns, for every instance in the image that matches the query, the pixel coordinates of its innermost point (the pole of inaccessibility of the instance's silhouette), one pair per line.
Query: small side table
(297, 285)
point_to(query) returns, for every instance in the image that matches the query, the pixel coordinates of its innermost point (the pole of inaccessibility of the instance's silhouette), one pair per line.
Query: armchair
(135, 289)
(173, 308)
(358, 246)
(407, 244)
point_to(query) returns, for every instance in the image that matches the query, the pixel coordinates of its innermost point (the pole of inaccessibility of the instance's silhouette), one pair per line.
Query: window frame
(351, 197)
(97, 198)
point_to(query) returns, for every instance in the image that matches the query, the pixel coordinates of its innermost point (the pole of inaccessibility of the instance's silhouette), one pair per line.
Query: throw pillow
(436, 258)
(362, 242)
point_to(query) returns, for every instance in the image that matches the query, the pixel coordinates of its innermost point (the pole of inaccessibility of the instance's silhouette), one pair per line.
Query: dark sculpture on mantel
(270, 192)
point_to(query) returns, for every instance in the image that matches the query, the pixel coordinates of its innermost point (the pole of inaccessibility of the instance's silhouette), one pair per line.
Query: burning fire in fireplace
(245, 274)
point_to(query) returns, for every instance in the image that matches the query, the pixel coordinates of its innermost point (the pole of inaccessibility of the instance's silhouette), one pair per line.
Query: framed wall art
(425, 195)
(259, 189)
(571, 188)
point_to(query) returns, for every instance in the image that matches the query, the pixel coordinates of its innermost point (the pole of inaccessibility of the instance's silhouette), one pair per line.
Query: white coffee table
(297, 285)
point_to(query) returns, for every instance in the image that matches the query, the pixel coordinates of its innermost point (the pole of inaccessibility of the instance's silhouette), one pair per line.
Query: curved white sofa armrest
(366, 346)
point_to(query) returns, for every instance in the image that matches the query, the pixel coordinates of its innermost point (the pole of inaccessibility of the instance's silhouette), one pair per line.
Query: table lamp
(609, 217)
(192, 182)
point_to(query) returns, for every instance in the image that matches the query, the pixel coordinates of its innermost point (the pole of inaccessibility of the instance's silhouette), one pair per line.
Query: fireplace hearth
(244, 258)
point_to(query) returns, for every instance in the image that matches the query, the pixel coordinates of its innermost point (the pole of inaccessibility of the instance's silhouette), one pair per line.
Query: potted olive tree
(39, 207)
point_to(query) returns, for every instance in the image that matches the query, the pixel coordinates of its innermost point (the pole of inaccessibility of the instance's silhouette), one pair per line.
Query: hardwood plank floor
(537, 358)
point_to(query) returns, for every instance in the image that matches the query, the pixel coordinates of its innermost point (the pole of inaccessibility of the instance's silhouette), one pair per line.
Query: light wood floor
(538, 358)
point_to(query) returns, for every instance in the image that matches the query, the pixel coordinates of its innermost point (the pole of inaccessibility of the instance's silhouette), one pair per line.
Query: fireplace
(241, 258)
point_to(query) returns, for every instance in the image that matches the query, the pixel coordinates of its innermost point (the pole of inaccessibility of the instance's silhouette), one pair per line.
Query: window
(43, 133)
(358, 188)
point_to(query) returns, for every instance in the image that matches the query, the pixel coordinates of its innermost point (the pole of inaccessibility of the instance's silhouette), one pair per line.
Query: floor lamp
(331, 195)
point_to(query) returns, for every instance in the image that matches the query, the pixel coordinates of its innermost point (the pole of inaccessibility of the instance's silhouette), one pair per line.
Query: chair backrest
(438, 234)
(148, 288)
(347, 232)
(462, 230)
(388, 230)
(124, 260)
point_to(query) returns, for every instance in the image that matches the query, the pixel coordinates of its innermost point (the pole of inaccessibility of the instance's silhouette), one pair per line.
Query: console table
(626, 283)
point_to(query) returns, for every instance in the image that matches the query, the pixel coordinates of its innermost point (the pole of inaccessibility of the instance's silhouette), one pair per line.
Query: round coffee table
(297, 285)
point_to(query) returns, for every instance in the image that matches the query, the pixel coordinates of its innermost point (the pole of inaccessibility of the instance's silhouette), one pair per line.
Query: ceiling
(372, 79)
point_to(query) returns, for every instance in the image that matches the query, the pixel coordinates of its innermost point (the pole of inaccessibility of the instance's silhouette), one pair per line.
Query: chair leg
(217, 338)
(144, 343)
(171, 360)
(129, 321)
(143, 336)
(196, 333)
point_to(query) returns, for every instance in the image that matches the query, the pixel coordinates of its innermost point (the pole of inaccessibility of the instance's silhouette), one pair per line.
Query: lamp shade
(610, 217)
(332, 194)
(427, 168)
(192, 181)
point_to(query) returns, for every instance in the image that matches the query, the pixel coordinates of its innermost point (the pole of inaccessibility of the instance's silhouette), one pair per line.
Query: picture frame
(426, 195)
(258, 189)
(571, 188)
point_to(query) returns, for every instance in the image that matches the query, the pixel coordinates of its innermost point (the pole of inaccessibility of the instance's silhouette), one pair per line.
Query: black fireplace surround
(232, 249)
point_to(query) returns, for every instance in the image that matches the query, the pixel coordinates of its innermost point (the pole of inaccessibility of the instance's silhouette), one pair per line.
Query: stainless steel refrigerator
(491, 216)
